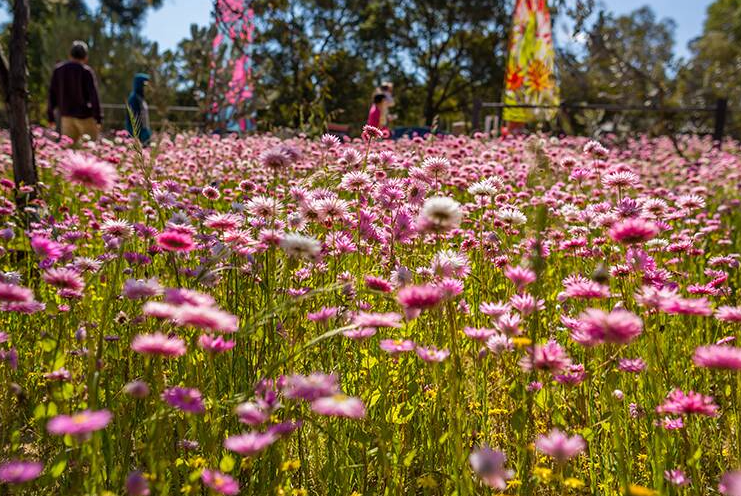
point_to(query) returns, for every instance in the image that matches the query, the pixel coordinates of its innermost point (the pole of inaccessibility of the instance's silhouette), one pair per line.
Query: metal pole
(721, 111)
(476, 114)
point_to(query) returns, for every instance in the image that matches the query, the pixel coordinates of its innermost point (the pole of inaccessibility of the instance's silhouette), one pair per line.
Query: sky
(689, 16)
(171, 23)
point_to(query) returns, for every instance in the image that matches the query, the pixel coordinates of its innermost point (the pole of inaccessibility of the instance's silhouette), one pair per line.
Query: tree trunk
(13, 79)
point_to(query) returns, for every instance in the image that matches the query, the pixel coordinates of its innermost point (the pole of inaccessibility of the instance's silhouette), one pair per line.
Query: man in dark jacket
(139, 111)
(73, 96)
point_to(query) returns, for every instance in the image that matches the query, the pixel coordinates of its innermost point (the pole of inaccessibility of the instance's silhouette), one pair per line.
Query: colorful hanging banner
(235, 29)
(530, 78)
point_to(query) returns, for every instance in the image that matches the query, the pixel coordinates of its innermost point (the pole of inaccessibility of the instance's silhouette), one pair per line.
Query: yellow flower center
(80, 418)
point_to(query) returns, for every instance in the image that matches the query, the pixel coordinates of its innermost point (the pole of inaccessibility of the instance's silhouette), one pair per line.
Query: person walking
(73, 96)
(138, 109)
(377, 110)
(387, 88)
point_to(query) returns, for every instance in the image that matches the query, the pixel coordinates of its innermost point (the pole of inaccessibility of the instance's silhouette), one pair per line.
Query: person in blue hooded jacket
(138, 110)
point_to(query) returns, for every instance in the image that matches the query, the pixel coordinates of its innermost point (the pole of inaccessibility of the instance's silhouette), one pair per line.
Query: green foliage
(713, 72)
(127, 13)
(451, 50)
(629, 61)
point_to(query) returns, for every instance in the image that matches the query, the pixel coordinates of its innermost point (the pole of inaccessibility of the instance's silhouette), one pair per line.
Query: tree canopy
(318, 61)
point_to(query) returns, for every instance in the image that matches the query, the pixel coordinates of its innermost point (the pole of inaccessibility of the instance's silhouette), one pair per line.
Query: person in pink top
(376, 110)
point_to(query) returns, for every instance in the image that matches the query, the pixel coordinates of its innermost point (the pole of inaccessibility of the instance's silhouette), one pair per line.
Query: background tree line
(317, 61)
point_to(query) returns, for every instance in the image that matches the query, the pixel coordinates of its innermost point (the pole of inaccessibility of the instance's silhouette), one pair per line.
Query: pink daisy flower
(80, 424)
(728, 314)
(677, 478)
(730, 483)
(215, 344)
(586, 290)
(250, 443)
(670, 424)
(46, 248)
(489, 465)
(63, 278)
(180, 296)
(560, 446)
(137, 484)
(573, 375)
(19, 471)
(10, 293)
(224, 221)
(419, 297)
(206, 318)
(494, 309)
(323, 315)
(686, 306)
(550, 356)
(396, 346)
(137, 289)
(175, 241)
(679, 403)
(597, 326)
(431, 353)
(252, 413)
(509, 324)
(88, 171)
(158, 344)
(360, 333)
(718, 357)
(363, 319)
(526, 304)
(159, 310)
(634, 366)
(479, 333)
(219, 483)
(633, 231)
(520, 276)
(186, 399)
(311, 387)
(339, 405)
(378, 284)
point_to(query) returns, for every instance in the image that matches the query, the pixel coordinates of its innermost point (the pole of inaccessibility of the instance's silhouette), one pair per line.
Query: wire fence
(719, 113)
(179, 116)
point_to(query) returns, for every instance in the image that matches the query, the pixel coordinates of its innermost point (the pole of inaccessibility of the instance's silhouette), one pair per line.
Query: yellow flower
(573, 483)
(290, 465)
(538, 77)
(431, 393)
(521, 342)
(186, 489)
(299, 492)
(498, 411)
(355, 493)
(543, 473)
(427, 482)
(513, 483)
(635, 490)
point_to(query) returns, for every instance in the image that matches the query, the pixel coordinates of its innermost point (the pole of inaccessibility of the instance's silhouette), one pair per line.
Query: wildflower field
(427, 316)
